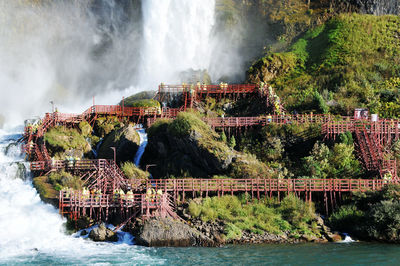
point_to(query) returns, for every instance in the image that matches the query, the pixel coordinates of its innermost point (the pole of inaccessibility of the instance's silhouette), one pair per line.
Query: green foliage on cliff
(339, 162)
(143, 103)
(350, 61)
(64, 139)
(291, 215)
(44, 187)
(371, 215)
(187, 123)
(62, 179)
(143, 95)
(132, 171)
(104, 125)
(49, 186)
(189, 129)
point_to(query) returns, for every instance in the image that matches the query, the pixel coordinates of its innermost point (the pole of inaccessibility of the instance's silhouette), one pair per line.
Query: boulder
(102, 233)
(167, 232)
(126, 140)
(334, 237)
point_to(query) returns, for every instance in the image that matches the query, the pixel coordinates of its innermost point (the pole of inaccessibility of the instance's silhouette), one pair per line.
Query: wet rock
(334, 237)
(102, 233)
(126, 140)
(158, 232)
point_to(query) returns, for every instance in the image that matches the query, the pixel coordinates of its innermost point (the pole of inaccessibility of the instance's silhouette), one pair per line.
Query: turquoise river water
(293, 254)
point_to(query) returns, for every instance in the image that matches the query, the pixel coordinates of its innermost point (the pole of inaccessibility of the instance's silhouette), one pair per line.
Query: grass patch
(292, 215)
(64, 139)
(45, 188)
(61, 180)
(133, 172)
(350, 61)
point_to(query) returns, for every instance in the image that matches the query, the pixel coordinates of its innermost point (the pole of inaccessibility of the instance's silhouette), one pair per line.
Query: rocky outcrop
(126, 140)
(268, 68)
(177, 156)
(378, 7)
(102, 233)
(199, 152)
(216, 229)
(158, 232)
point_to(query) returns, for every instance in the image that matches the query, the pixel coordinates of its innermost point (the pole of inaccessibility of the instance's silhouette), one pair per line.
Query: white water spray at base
(30, 228)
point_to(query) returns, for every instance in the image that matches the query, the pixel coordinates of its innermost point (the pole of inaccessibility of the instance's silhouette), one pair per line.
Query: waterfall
(176, 37)
(142, 146)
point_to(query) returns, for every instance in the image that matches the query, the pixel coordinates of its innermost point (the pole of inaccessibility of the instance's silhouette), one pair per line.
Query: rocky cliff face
(167, 232)
(379, 7)
(177, 156)
(126, 140)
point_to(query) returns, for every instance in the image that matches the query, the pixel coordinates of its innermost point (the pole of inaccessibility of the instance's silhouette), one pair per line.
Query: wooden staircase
(372, 154)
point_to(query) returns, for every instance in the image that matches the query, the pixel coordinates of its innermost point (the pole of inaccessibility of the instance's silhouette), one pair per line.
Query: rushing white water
(30, 228)
(142, 146)
(176, 37)
(347, 239)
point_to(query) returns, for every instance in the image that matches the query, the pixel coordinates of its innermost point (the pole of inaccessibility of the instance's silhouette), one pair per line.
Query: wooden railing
(248, 185)
(99, 164)
(208, 89)
(68, 199)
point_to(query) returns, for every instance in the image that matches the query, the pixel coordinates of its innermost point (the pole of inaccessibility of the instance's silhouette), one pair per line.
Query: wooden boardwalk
(141, 203)
(373, 141)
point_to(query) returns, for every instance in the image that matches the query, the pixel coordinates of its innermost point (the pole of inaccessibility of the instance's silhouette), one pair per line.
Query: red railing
(209, 89)
(248, 185)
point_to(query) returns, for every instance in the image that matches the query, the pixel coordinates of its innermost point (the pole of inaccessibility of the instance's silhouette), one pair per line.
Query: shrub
(256, 216)
(232, 231)
(105, 125)
(132, 171)
(187, 122)
(223, 137)
(63, 179)
(371, 215)
(85, 128)
(143, 103)
(232, 142)
(296, 211)
(346, 217)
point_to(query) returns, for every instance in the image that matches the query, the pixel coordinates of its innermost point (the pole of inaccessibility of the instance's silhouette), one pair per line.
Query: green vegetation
(105, 125)
(144, 103)
(350, 61)
(339, 162)
(189, 127)
(291, 216)
(62, 179)
(371, 215)
(44, 187)
(62, 139)
(144, 95)
(86, 129)
(132, 171)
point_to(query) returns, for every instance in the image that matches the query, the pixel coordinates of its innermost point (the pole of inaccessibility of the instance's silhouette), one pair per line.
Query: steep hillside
(350, 61)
